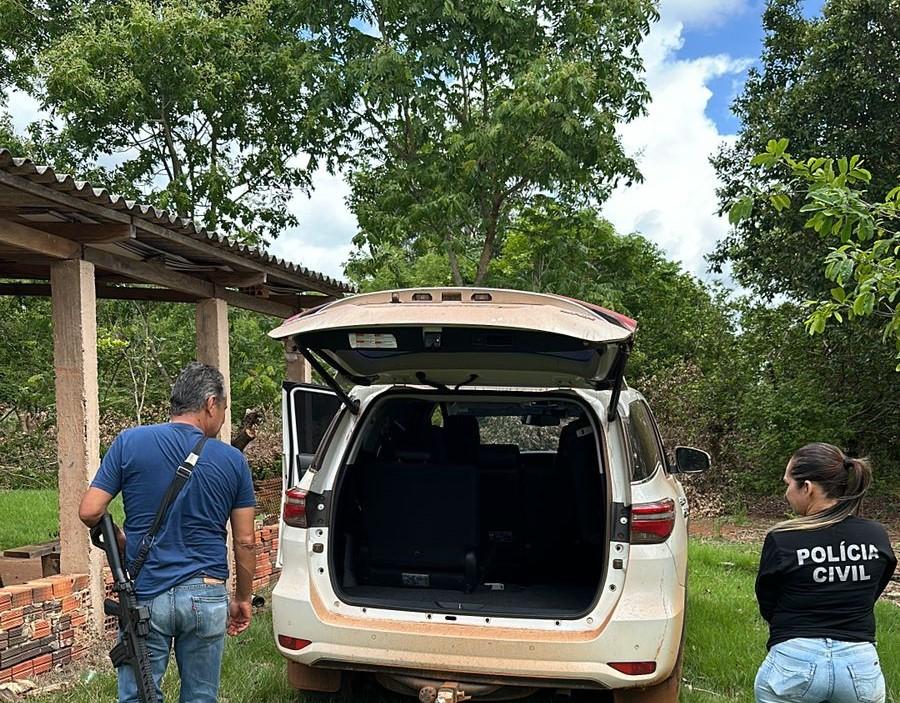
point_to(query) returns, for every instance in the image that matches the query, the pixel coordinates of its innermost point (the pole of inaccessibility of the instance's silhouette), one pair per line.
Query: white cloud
(322, 240)
(23, 109)
(675, 205)
(701, 13)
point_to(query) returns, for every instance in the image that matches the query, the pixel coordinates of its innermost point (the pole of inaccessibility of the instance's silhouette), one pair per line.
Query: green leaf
(838, 294)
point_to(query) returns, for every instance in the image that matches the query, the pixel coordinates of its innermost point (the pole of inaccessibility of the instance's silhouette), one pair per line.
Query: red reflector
(294, 507)
(634, 668)
(652, 523)
(292, 642)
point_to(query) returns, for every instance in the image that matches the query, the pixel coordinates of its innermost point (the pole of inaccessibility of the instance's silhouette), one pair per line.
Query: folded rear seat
(419, 524)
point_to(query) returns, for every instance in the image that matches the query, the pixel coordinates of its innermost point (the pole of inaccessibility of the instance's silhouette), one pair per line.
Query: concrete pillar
(212, 347)
(77, 415)
(297, 368)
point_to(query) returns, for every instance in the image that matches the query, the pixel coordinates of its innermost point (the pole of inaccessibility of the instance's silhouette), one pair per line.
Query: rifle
(134, 619)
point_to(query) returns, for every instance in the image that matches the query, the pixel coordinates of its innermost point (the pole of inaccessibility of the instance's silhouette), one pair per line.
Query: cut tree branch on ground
(247, 431)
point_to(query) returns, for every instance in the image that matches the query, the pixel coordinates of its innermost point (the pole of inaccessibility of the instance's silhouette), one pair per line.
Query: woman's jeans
(805, 670)
(192, 616)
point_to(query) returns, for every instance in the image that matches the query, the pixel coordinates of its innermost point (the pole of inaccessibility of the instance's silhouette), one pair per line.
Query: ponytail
(842, 478)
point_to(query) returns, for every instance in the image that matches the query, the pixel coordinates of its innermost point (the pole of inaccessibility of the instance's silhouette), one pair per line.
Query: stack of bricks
(266, 553)
(268, 499)
(42, 625)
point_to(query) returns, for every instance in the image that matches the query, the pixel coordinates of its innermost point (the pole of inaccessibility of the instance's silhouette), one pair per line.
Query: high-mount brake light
(652, 523)
(294, 513)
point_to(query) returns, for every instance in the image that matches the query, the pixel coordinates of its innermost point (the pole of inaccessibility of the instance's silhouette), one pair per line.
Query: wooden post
(212, 347)
(296, 367)
(77, 416)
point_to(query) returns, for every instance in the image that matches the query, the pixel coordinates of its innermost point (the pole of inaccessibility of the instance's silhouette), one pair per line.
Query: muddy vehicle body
(489, 511)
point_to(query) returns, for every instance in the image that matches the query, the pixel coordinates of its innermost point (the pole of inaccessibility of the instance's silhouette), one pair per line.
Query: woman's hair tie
(848, 463)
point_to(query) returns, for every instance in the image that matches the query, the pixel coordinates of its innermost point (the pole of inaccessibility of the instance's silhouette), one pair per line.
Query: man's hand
(239, 614)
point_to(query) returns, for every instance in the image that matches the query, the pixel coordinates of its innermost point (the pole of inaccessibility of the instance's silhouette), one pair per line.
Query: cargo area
(490, 506)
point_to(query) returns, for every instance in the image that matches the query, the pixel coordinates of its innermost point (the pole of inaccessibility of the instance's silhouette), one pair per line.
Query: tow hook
(447, 693)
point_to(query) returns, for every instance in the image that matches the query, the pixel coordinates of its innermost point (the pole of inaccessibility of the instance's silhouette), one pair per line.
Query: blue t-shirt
(141, 463)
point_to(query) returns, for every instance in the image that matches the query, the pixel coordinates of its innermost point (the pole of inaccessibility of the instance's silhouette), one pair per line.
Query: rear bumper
(646, 625)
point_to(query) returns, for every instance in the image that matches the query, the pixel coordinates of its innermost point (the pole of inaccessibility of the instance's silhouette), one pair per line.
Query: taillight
(652, 523)
(294, 507)
(294, 643)
(634, 668)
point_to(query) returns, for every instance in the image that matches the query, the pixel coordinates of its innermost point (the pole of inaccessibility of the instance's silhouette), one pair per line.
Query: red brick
(5, 675)
(69, 603)
(19, 595)
(42, 664)
(62, 585)
(22, 671)
(79, 619)
(42, 592)
(11, 618)
(5, 600)
(82, 581)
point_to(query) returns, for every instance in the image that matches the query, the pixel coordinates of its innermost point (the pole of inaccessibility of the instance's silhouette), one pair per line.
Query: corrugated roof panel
(46, 176)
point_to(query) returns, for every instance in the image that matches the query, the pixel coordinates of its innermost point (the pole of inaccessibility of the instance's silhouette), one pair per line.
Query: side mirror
(691, 461)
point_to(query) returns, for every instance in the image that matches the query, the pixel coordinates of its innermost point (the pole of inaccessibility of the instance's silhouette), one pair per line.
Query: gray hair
(196, 383)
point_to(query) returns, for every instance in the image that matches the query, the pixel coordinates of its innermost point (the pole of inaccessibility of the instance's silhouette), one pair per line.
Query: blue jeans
(804, 670)
(192, 617)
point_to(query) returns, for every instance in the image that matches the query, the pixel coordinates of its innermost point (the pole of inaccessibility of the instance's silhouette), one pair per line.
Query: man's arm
(93, 505)
(243, 535)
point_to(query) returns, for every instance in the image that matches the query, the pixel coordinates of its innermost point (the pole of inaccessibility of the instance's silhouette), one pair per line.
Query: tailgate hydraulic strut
(618, 375)
(351, 404)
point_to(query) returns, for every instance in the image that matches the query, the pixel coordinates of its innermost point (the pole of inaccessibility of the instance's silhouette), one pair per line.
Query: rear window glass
(511, 430)
(646, 455)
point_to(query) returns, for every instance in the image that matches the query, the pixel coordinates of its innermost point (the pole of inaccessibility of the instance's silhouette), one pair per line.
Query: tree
(553, 248)
(829, 86)
(467, 112)
(865, 268)
(207, 104)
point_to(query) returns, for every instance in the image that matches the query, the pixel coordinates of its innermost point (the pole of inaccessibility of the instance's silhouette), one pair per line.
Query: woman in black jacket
(819, 577)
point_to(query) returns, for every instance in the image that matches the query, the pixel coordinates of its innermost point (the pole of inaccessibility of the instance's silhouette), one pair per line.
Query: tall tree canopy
(467, 111)
(217, 109)
(829, 85)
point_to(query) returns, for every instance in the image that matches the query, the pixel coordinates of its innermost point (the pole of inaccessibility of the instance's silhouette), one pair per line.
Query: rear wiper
(423, 379)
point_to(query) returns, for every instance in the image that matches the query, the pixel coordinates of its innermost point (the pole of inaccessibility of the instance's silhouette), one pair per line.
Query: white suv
(488, 512)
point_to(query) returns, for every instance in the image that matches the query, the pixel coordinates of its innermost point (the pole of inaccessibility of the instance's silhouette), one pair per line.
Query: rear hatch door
(449, 337)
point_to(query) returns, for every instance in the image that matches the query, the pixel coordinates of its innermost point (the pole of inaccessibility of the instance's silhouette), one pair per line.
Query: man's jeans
(805, 670)
(192, 616)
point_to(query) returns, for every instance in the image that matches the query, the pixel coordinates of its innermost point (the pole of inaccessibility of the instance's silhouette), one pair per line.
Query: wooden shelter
(73, 242)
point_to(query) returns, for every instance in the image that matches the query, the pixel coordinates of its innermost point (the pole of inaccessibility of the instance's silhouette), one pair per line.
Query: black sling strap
(182, 474)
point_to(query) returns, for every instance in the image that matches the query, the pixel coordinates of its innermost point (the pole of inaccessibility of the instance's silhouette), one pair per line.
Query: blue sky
(739, 34)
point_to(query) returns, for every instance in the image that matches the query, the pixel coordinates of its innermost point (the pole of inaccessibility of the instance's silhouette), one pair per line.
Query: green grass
(725, 644)
(32, 516)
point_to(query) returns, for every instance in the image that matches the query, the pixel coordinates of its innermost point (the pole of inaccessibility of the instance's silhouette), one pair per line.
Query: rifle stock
(134, 619)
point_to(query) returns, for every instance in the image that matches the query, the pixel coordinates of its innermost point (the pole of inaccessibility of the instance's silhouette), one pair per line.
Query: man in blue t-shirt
(183, 578)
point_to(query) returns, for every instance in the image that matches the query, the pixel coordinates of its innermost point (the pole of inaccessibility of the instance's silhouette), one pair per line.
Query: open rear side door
(306, 411)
